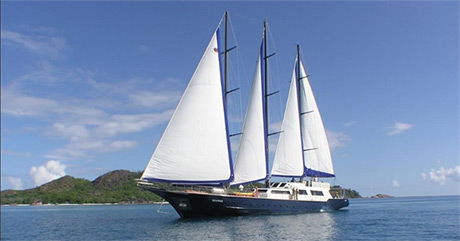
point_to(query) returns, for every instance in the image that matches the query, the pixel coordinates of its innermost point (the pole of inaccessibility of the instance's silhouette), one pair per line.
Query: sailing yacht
(192, 166)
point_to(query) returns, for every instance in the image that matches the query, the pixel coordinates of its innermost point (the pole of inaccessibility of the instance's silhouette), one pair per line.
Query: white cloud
(142, 92)
(22, 154)
(272, 144)
(396, 184)
(21, 105)
(18, 104)
(86, 127)
(15, 183)
(44, 45)
(155, 99)
(131, 123)
(117, 145)
(65, 153)
(441, 175)
(275, 127)
(46, 173)
(74, 132)
(143, 48)
(398, 128)
(351, 123)
(336, 139)
(99, 136)
(69, 103)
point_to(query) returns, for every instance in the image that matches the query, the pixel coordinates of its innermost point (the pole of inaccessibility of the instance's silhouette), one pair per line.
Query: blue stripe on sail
(213, 183)
(224, 96)
(313, 173)
(274, 175)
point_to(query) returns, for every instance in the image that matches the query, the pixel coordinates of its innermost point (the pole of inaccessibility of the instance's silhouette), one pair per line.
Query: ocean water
(412, 218)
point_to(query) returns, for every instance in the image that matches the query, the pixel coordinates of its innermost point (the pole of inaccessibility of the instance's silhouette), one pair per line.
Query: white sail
(316, 147)
(288, 159)
(250, 161)
(194, 147)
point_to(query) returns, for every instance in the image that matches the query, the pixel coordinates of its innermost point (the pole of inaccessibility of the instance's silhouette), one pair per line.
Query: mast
(225, 53)
(225, 76)
(289, 160)
(316, 152)
(266, 95)
(251, 162)
(298, 79)
(226, 56)
(265, 79)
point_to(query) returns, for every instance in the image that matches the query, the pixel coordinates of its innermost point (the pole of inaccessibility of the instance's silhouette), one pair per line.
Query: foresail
(316, 147)
(288, 160)
(251, 160)
(194, 147)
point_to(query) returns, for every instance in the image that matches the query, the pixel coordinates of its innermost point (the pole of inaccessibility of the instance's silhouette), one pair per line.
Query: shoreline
(82, 204)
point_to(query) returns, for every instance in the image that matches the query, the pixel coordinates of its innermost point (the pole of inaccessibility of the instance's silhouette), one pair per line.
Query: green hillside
(113, 187)
(349, 193)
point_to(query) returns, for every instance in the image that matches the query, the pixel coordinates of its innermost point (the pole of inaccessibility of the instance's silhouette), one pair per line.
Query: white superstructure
(306, 191)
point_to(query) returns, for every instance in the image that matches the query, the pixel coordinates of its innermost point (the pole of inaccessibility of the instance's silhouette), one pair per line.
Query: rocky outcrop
(382, 196)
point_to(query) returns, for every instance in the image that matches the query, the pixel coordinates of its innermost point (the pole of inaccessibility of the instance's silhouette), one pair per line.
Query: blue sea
(411, 218)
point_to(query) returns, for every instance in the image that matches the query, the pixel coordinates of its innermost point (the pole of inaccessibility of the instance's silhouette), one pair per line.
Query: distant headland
(382, 196)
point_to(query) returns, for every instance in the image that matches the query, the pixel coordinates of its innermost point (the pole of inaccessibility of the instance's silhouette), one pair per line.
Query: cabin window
(317, 193)
(262, 190)
(280, 192)
(282, 184)
(303, 192)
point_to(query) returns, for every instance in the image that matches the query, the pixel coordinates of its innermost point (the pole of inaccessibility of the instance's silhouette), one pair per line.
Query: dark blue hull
(201, 205)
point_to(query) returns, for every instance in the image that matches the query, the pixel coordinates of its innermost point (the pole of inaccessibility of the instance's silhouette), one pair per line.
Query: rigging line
(235, 39)
(273, 43)
(236, 134)
(247, 18)
(221, 19)
(158, 211)
(302, 58)
(275, 72)
(239, 66)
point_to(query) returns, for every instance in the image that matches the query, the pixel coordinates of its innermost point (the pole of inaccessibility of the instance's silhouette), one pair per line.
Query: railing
(174, 187)
(337, 193)
(194, 188)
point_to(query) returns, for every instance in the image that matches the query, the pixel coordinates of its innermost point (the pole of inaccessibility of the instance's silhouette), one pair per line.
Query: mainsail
(303, 149)
(251, 158)
(195, 146)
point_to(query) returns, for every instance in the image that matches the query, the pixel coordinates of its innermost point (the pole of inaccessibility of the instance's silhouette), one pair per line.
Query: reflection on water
(309, 226)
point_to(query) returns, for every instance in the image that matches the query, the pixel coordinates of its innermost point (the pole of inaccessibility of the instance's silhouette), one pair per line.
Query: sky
(88, 87)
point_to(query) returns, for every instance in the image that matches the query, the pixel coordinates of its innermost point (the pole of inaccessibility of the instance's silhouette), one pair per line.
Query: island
(382, 196)
(113, 187)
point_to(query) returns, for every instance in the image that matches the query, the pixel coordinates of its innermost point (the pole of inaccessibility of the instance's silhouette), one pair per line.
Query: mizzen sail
(316, 147)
